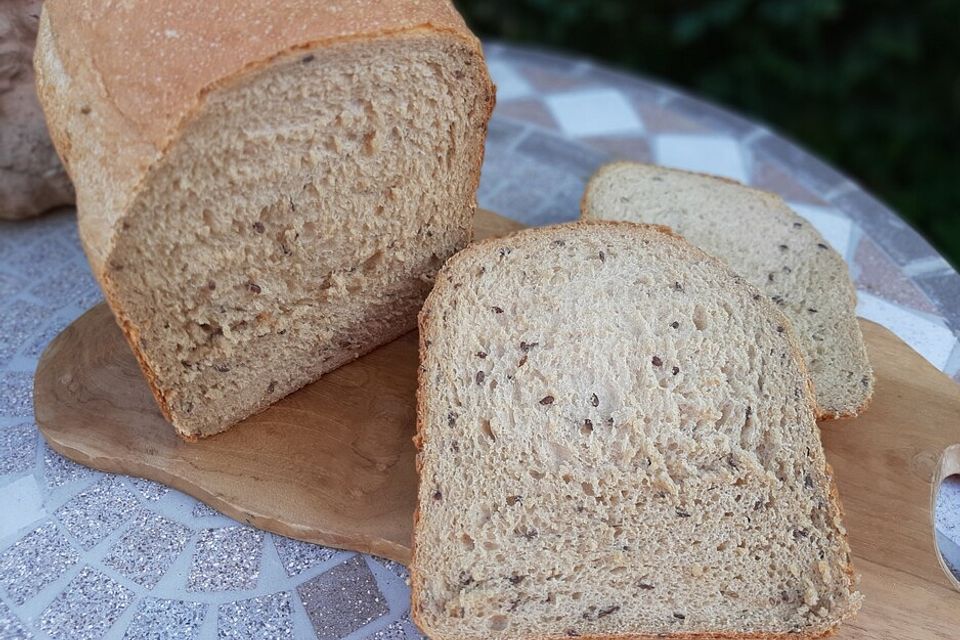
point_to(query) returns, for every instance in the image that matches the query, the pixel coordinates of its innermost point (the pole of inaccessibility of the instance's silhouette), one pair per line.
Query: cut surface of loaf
(761, 238)
(617, 440)
(279, 204)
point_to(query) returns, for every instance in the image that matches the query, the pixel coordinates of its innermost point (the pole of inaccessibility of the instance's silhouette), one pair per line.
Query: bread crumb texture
(618, 440)
(775, 249)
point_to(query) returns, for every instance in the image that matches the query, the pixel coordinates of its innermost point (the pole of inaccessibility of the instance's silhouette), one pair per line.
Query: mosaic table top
(86, 555)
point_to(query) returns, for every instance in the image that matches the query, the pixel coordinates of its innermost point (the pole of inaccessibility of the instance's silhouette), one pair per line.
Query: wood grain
(334, 463)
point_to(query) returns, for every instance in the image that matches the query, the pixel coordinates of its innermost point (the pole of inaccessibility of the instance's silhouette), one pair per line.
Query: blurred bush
(872, 86)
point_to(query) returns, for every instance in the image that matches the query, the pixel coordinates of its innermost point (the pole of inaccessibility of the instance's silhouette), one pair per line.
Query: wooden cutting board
(334, 463)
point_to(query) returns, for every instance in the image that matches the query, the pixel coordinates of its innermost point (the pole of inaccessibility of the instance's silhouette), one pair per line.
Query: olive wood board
(333, 463)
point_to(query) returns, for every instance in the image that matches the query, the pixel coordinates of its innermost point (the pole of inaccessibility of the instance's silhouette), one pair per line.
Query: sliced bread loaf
(617, 441)
(265, 189)
(757, 234)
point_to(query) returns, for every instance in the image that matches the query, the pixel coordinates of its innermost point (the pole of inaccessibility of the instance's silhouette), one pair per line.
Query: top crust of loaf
(156, 59)
(118, 80)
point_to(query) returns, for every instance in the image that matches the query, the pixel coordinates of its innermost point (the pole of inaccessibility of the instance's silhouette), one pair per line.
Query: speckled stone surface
(148, 548)
(343, 599)
(226, 559)
(87, 607)
(10, 626)
(268, 617)
(160, 619)
(97, 512)
(87, 555)
(34, 561)
(298, 556)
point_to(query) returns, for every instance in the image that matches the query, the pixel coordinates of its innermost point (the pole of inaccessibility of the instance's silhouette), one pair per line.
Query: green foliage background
(873, 86)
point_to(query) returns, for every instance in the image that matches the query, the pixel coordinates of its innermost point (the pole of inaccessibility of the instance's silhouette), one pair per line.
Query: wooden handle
(949, 465)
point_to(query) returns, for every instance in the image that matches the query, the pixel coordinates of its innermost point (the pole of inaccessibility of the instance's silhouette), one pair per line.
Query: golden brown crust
(425, 325)
(156, 59)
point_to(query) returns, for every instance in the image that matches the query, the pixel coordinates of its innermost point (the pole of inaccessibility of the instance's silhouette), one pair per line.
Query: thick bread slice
(758, 235)
(617, 441)
(265, 189)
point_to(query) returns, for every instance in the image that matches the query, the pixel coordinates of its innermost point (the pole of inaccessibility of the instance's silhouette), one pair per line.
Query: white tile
(837, 229)
(953, 367)
(931, 340)
(20, 504)
(950, 551)
(933, 264)
(948, 510)
(510, 84)
(594, 112)
(717, 155)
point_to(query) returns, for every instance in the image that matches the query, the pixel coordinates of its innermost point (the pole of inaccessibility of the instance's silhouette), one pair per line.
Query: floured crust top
(155, 59)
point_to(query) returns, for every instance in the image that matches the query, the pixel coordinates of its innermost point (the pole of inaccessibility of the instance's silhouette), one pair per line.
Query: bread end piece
(778, 251)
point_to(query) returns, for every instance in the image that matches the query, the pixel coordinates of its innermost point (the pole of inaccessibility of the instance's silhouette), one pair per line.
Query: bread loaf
(618, 441)
(758, 235)
(265, 189)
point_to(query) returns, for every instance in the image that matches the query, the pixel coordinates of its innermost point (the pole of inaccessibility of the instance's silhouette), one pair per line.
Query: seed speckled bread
(758, 235)
(265, 189)
(617, 440)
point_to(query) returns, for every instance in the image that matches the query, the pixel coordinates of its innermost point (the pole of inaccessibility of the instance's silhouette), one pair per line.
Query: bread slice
(758, 235)
(617, 441)
(265, 189)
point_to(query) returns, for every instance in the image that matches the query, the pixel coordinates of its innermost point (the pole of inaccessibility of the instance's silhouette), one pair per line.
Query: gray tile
(36, 260)
(19, 322)
(267, 617)
(343, 599)
(395, 568)
(148, 549)
(545, 81)
(944, 290)
(87, 607)
(529, 111)
(879, 275)
(538, 57)
(413, 631)
(43, 338)
(148, 489)
(502, 133)
(10, 626)
(58, 470)
(636, 148)
(70, 285)
(95, 513)
(393, 631)
(885, 228)
(18, 448)
(203, 510)
(16, 394)
(9, 284)
(298, 556)
(160, 619)
(638, 88)
(515, 201)
(226, 559)
(811, 172)
(34, 561)
(716, 117)
(561, 155)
